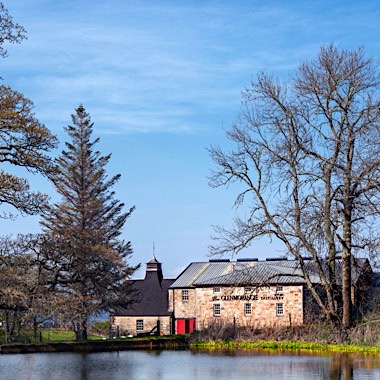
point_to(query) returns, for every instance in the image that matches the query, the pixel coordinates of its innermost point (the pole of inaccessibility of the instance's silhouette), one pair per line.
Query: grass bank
(100, 345)
(285, 345)
(363, 338)
(44, 336)
(59, 336)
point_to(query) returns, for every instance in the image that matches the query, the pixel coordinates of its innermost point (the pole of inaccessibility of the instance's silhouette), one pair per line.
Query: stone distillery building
(245, 293)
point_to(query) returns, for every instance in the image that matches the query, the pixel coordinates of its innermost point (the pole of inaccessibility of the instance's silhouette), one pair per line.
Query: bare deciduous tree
(307, 156)
(24, 140)
(10, 31)
(24, 291)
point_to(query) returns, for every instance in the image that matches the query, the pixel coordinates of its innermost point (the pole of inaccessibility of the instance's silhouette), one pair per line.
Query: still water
(173, 365)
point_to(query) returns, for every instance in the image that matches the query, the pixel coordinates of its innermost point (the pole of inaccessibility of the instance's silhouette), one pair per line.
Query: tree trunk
(35, 328)
(346, 289)
(80, 329)
(7, 328)
(77, 330)
(84, 329)
(347, 232)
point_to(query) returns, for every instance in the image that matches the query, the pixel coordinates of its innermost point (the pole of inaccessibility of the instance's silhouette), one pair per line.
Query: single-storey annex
(150, 314)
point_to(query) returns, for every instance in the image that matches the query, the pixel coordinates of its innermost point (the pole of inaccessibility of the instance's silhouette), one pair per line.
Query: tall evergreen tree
(85, 254)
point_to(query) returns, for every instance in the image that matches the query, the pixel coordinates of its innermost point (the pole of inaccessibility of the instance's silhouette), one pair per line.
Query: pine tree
(86, 257)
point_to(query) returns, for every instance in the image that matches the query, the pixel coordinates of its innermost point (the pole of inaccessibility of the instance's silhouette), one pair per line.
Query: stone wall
(127, 325)
(170, 300)
(231, 300)
(184, 308)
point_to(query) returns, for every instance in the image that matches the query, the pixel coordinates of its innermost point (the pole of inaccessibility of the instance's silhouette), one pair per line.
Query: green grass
(287, 345)
(61, 336)
(48, 336)
(56, 336)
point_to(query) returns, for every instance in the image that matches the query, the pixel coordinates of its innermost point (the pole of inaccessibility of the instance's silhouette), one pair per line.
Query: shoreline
(183, 343)
(288, 345)
(173, 343)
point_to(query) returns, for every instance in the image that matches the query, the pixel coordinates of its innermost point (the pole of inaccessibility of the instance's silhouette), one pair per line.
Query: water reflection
(301, 364)
(341, 367)
(201, 364)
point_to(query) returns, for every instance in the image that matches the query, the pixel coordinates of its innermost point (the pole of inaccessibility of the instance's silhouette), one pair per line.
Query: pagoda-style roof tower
(154, 269)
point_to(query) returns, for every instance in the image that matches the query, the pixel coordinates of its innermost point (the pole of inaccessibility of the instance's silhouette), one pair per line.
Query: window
(279, 309)
(247, 289)
(217, 289)
(216, 309)
(185, 295)
(248, 309)
(139, 325)
(279, 288)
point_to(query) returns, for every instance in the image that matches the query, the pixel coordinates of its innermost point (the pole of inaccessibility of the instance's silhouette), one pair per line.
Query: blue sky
(162, 80)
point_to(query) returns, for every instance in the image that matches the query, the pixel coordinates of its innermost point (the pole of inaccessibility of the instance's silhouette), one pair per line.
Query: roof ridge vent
(219, 261)
(246, 259)
(276, 259)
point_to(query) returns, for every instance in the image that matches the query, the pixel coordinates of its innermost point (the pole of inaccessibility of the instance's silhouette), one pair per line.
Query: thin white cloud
(157, 67)
(165, 77)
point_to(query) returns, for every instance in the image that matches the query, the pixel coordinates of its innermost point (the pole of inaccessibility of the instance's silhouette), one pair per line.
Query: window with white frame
(140, 325)
(216, 289)
(279, 309)
(185, 295)
(247, 289)
(216, 309)
(279, 288)
(248, 309)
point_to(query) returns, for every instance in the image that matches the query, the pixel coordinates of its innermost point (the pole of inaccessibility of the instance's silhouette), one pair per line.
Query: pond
(202, 365)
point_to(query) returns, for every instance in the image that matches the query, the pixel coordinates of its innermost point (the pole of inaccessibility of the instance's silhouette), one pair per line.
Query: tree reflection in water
(191, 365)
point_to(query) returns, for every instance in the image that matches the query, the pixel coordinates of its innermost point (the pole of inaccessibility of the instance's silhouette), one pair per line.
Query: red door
(185, 326)
(181, 326)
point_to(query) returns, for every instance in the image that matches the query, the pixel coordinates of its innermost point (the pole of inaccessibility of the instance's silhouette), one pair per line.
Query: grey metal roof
(215, 270)
(189, 275)
(261, 273)
(201, 271)
(252, 272)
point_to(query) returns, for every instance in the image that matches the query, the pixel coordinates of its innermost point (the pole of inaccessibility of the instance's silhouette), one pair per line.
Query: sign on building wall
(248, 297)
